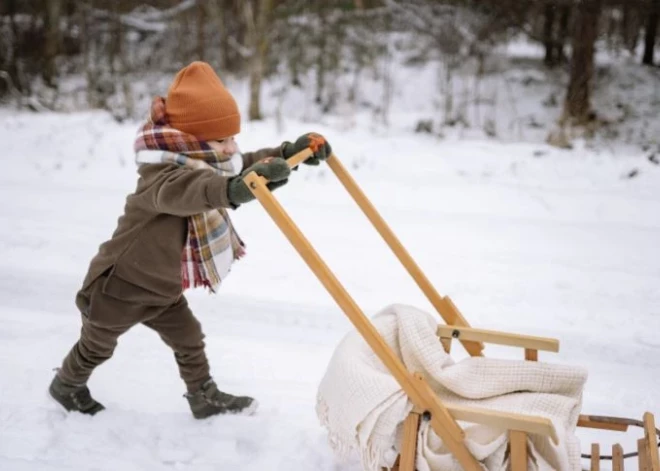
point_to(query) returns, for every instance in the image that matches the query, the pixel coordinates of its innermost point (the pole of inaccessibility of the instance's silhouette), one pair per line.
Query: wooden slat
(505, 420)
(595, 457)
(418, 391)
(518, 444)
(617, 458)
(500, 338)
(588, 421)
(409, 445)
(643, 457)
(531, 355)
(651, 438)
(449, 313)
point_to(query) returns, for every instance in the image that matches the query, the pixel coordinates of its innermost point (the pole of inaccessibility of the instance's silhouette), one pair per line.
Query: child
(175, 233)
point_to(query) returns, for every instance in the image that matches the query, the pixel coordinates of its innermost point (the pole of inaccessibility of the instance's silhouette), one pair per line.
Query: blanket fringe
(340, 445)
(371, 457)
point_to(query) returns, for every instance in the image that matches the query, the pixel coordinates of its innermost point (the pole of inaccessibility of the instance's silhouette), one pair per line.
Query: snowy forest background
(538, 70)
(513, 146)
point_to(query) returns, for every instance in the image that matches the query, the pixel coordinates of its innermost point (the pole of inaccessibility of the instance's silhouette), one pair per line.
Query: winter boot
(74, 398)
(208, 401)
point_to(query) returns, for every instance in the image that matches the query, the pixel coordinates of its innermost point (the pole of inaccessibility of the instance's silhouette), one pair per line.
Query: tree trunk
(610, 32)
(548, 34)
(577, 108)
(564, 20)
(114, 50)
(201, 17)
(217, 14)
(185, 47)
(626, 26)
(651, 32)
(257, 29)
(87, 47)
(321, 57)
(238, 34)
(294, 52)
(122, 68)
(631, 27)
(52, 42)
(13, 53)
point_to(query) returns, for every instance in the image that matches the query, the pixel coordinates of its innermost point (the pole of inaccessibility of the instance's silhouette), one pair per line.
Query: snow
(524, 237)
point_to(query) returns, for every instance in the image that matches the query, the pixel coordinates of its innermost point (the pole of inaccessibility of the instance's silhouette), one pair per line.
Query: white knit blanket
(363, 407)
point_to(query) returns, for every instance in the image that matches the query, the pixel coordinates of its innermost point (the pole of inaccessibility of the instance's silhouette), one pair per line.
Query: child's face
(225, 147)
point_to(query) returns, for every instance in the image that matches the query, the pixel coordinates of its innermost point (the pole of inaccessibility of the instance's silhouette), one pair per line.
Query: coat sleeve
(181, 191)
(250, 158)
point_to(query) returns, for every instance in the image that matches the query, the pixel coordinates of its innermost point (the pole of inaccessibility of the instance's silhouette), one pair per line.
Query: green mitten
(314, 141)
(275, 169)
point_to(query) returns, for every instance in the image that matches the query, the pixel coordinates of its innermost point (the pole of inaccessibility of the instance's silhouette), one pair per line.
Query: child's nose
(231, 147)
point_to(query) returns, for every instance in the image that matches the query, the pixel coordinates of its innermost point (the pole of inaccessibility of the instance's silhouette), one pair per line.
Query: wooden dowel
(617, 458)
(651, 438)
(518, 444)
(531, 355)
(595, 457)
(643, 457)
(409, 448)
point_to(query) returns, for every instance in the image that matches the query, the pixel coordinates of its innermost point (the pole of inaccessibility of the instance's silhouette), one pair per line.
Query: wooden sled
(427, 406)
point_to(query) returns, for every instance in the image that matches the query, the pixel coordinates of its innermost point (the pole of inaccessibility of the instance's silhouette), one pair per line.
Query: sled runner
(444, 418)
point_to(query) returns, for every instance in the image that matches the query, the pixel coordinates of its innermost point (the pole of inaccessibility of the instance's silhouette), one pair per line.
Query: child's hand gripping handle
(291, 163)
(269, 174)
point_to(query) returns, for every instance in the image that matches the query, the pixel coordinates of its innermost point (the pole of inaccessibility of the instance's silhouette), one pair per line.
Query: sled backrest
(519, 426)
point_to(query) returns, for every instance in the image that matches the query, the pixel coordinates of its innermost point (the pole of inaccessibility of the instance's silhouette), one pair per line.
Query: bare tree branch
(244, 51)
(170, 13)
(150, 22)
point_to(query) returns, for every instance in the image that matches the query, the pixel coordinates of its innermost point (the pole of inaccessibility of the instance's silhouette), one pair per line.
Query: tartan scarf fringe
(212, 244)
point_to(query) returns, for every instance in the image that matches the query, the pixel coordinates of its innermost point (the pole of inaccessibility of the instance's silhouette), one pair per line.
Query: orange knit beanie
(199, 104)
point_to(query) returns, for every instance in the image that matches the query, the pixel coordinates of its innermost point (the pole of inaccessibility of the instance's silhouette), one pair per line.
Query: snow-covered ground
(523, 237)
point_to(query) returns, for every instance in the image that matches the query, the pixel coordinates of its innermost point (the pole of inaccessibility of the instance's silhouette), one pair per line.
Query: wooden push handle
(417, 390)
(443, 305)
(300, 157)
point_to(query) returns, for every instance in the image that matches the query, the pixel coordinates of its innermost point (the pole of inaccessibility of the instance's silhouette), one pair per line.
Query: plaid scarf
(212, 243)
